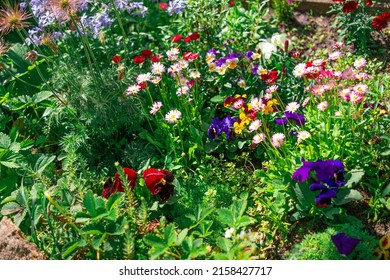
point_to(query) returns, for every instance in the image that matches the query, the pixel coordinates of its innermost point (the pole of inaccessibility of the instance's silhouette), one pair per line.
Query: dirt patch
(13, 246)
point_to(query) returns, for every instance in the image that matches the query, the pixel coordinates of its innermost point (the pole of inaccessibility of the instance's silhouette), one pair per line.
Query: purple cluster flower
(38, 34)
(329, 176)
(176, 6)
(96, 23)
(218, 126)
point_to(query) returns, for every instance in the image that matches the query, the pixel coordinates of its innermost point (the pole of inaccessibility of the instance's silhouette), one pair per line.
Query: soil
(312, 32)
(13, 245)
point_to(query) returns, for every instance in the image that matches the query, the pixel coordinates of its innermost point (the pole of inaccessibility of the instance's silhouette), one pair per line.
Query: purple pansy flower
(298, 118)
(345, 244)
(218, 126)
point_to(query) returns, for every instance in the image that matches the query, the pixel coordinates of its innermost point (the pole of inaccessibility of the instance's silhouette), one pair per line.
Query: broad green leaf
(98, 240)
(217, 99)
(346, 195)
(211, 146)
(89, 203)
(94, 229)
(5, 141)
(226, 216)
(43, 95)
(114, 200)
(169, 235)
(155, 252)
(153, 240)
(181, 236)
(10, 208)
(355, 176)
(42, 162)
(244, 221)
(224, 244)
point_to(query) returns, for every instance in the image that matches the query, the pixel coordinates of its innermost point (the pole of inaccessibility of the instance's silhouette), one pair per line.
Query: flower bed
(201, 133)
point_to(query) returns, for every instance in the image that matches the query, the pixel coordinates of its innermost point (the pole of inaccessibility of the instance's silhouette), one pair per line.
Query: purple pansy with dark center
(329, 176)
(218, 126)
(345, 244)
(298, 118)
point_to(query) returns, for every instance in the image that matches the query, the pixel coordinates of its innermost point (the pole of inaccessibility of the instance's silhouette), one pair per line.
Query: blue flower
(218, 126)
(176, 6)
(345, 244)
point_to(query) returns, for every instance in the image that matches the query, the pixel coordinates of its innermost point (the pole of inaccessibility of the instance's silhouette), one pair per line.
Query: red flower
(117, 59)
(139, 59)
(176, 38)
(143, 85)
(368, 3)
(192, 37)
(155, 58)
(338, 1)
(295, 54)
(231, 3)
(110, 187)
(147, 53)
(350, 6)
(190, 56)
(157, 182)
(380, 21)
(163, 6)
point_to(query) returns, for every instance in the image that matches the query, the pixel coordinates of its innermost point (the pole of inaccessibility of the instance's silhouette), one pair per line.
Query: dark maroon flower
(117, 59)
(158, 183)
(345, 244)
(139, 59)
(155, 58)
(338, 1)
(369, 3)
(380, 21)
(350, 7)
(112, 186)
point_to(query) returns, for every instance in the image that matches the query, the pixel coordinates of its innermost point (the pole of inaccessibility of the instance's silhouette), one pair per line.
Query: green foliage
(319, 246)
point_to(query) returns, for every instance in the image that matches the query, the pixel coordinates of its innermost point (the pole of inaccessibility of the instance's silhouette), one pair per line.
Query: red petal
(153, 177)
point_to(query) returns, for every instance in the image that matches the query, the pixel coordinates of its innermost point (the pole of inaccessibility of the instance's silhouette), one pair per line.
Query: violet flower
(345, 244)
(298, 118)
(218, 126)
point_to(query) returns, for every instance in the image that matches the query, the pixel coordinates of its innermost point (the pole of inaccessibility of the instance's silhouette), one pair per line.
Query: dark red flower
(158, 183)
(176, 38)
(350, 7)
(194, 36)
(155, 58)
(380, 21)
(338, 1)
(112, 186)
(139, 59)
(295, 54)
(163, 6)
(117, 59)
(147, 53)
(229, 100)
(231, 3)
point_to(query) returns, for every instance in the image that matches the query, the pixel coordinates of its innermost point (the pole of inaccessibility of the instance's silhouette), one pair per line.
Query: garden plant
(194, 129)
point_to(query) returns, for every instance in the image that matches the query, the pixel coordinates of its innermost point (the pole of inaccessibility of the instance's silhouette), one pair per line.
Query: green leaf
(346, 195)
(98, 240)
(114, 200)
(89, 203)
(211, 146)
(146, 136)
(217, 99)
(386, 153)
(43, 95)
(42, 162)
(224, 244)
(355, 176)
(153, 241)
(9, 164)
(10, 208)
(244, 221)
(169, 235)
(386, 191)
(69, 248)
(181, 236)
(155, 252)
(226, 216)
(94, 229)
(5, 141)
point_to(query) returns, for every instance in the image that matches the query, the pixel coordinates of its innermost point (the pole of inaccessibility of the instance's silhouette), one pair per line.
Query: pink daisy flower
(360, 88)
(360, 63)
(258, 138)
(292, 107)
(335, 55)
(323, 106)
(255, 125)
(133, 89)
(173, 116)
(348, 74)
(277, 140)
(303, 135)
(156, 107)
